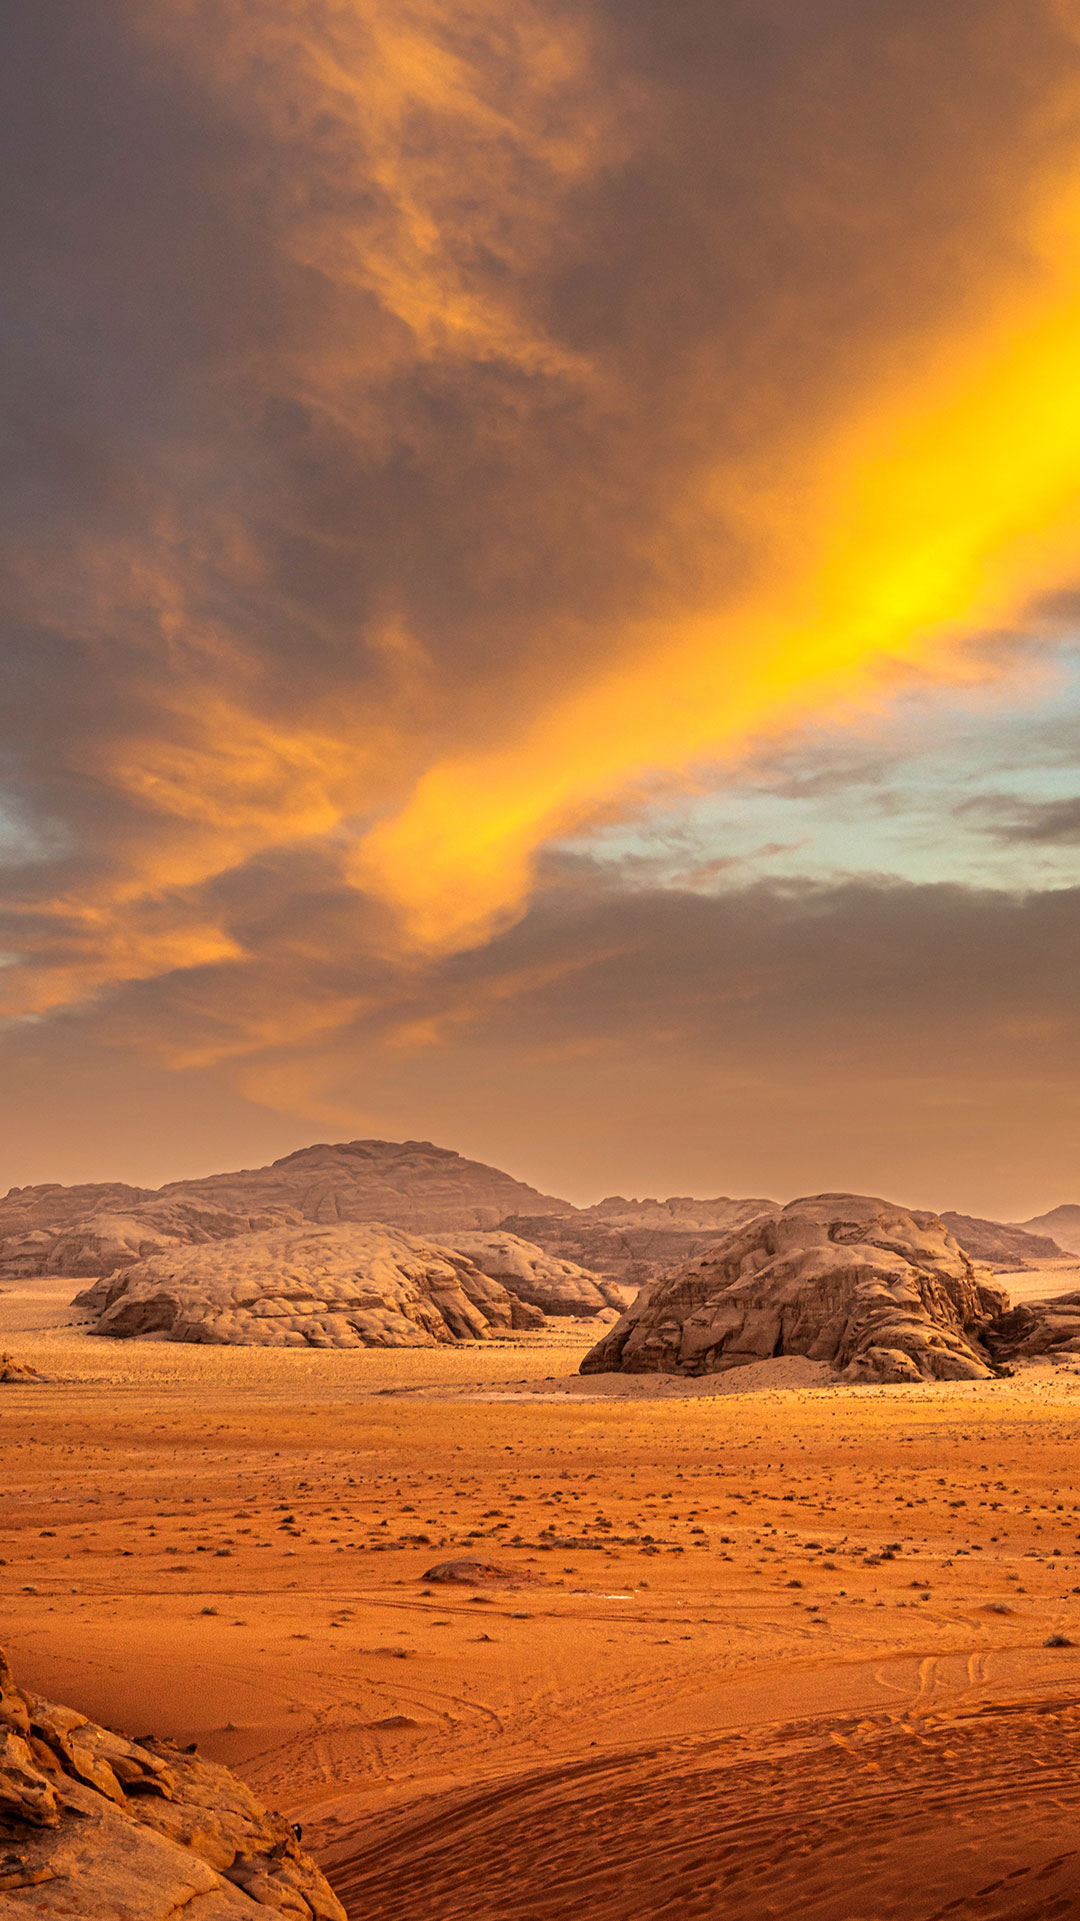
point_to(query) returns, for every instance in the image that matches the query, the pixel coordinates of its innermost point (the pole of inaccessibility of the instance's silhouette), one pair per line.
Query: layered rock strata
(630, 1243)
(877, 1292)
(307, 1287)
(555, 1286)
(98, 1827)
(90, 1230)
(1036, 1329)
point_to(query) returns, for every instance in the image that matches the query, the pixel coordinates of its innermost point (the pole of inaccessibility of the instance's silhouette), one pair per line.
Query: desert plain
(758, 1644)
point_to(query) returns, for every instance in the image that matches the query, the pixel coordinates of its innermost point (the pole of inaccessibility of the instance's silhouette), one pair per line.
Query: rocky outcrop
(879, 1293)
(91, 1230)
(306, 1287)
(13, 1372)
(411, 1184)
(98, 1827)
(1035, 1329)
(1062, 1223)
(630, 1243)
(556, 1286)
(105, 1241)
(1000, 1244)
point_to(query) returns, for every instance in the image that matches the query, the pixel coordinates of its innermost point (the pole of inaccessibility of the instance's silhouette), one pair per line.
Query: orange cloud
(941, 507)
(530, 451)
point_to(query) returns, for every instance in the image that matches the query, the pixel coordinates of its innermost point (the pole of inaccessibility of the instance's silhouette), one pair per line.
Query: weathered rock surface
(305, 1286)
(105, 1241)
(632, 1242)
(1036, 1328)
(1063, 1223)
(469, 1573)
(1000, 1243)
(13, 1371)
(556, 1286)
(879, 1293)
(411, 1184)
(91, 1230)
(99, 1828)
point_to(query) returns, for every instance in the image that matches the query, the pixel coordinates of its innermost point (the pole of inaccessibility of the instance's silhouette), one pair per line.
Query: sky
(540, 573)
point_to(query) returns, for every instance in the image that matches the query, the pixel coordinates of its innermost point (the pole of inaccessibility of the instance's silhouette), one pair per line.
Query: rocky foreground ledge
(94, 1827)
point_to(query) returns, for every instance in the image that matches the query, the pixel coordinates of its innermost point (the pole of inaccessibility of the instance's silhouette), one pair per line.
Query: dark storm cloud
(1050, 823)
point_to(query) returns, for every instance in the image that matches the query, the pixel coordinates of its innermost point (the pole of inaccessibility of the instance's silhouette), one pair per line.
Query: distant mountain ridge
(415, 1186)
(1001, 1243)
(1062, 1222)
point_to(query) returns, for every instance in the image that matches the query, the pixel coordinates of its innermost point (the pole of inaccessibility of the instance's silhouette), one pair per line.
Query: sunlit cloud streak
(430, 424)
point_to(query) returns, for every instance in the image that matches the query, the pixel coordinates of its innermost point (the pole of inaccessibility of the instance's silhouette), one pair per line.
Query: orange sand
(767, 1652)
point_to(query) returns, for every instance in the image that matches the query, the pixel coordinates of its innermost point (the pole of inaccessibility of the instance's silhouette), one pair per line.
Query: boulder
(14, 1372)
(305, 1286)
(555, 1286)
(107, 1829)
(877, 1292)
(1036, 1328)
(469, 1573)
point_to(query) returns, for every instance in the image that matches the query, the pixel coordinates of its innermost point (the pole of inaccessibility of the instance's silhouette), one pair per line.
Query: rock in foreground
(878, 1293)
(307, 1287)
(106, 1829)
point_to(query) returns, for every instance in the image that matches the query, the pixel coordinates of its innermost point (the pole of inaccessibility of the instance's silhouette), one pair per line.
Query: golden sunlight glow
(942, 508)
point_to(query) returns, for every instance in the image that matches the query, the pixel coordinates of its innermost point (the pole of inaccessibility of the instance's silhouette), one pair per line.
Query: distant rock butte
(307, 1286)
(91, 1230)
(402, 1183)
(1000, 1243)
(1061, 1222)
(879, 1293)
(631, 1242)
(101, 1828)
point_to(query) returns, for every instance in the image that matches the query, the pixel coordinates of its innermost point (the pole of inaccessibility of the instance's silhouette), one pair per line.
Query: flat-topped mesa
(880, 1293)
(106, 1829)
(305, 1286)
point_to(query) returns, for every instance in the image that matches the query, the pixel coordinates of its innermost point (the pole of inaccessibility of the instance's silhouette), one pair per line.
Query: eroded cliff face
(879, 1293)
(101, 1828)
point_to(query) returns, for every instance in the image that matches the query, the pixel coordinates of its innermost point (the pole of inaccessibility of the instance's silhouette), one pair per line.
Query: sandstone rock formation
(1000, 1243)
(879, 1293)
(13, 1371)
(1034, 1329)
(1063, 1223)
(84, 1231)
(632, 1242)
(556, 1286)
(101, 1828)
(305, 1286)
(411, 1184)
